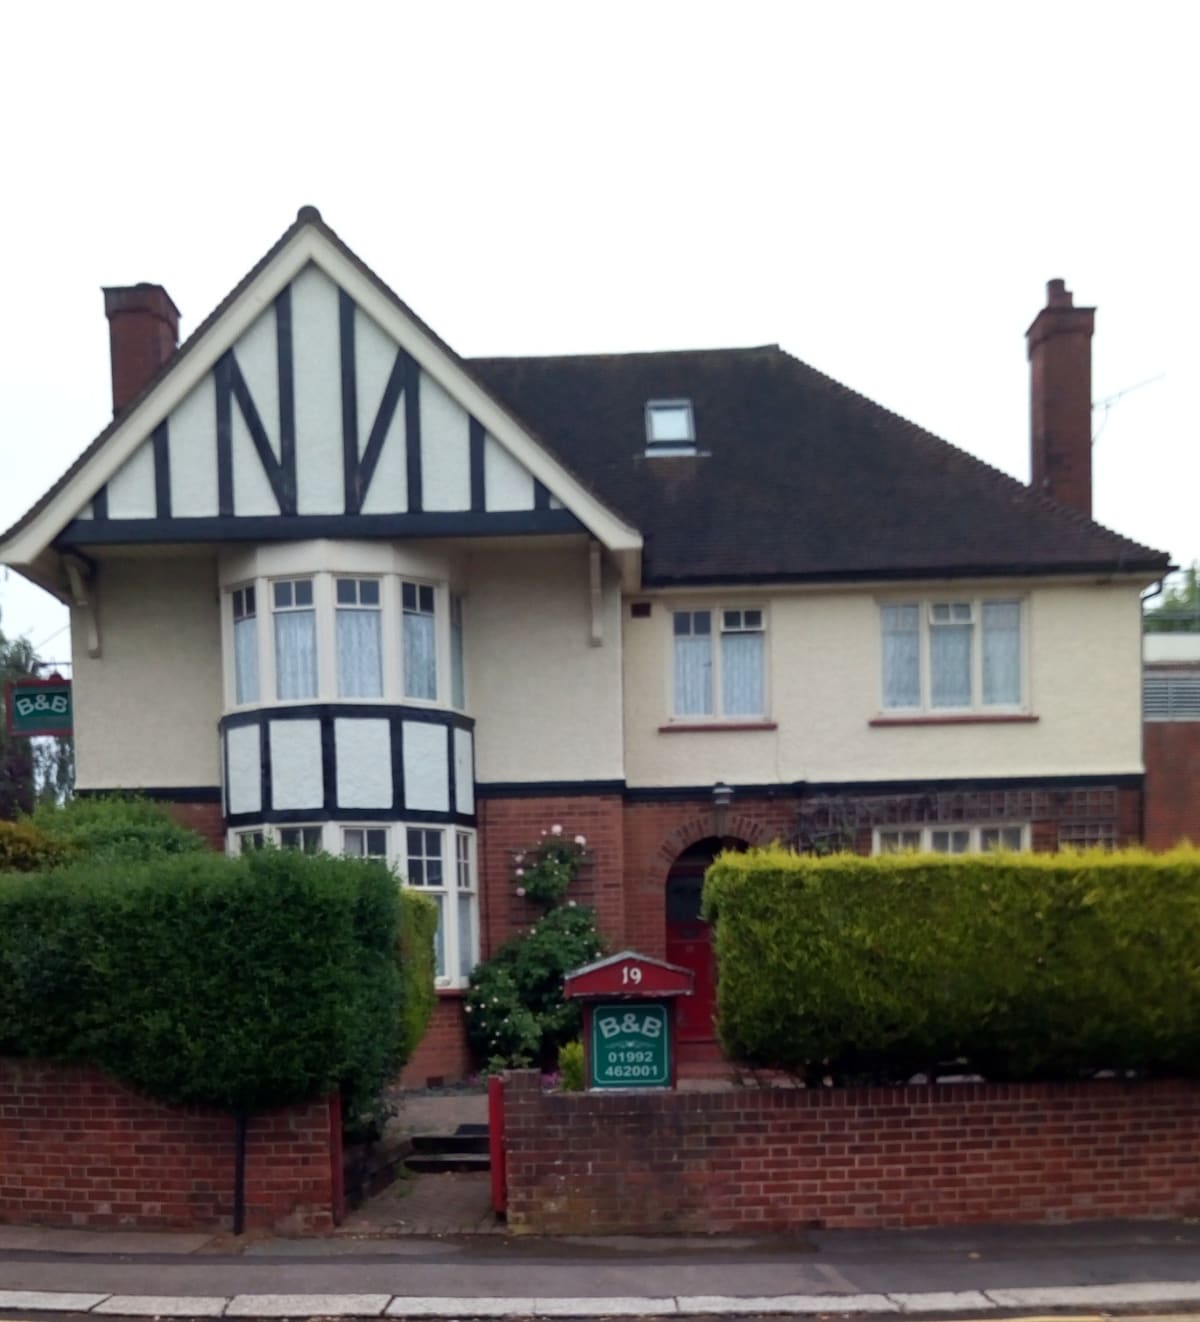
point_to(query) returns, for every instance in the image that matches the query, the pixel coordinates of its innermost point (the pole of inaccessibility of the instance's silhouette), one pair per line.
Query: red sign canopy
(628, 974)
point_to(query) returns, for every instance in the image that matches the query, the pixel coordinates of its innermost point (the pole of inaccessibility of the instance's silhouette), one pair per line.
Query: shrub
(243, 983)
(571, 1067)
(24, 848)
(418, 963)
(115, 827)
(1009, 965)
(516, 1014)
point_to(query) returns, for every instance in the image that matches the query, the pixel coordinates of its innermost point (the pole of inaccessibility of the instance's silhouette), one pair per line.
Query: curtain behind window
(693, 676)
(901, 656)
(359, 656)
(295, 654)
(420, 656)
(245, 657)
(1002, 652)
(742, 674)
(950, 665)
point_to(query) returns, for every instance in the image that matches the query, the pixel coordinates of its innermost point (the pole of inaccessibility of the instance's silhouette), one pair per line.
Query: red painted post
(496, 1144)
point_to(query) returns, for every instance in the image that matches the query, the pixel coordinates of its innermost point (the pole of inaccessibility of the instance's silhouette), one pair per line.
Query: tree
(1178, 609)
(17, 661)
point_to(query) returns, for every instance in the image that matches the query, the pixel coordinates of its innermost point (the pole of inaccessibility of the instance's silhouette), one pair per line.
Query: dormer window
(670, 428)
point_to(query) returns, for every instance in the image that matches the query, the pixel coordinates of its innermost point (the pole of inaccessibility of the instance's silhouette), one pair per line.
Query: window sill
(708, 727)
(966, 718)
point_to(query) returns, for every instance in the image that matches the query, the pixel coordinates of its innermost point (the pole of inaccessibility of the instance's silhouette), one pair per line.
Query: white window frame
(243, 606)
(360, 607)
(447, 889)
(366, 829)
(927, 625)
(920, 837)
(718, 630)
(314, 607)
(682, 409)
(284, 829)
(325, 609)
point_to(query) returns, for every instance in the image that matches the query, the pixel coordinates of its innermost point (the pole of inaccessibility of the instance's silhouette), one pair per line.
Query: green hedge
(1006, 965)
(418, 962)
(243, 983)
(24, 848)
(114, 826)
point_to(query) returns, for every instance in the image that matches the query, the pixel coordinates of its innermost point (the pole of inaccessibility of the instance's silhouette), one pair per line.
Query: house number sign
(630, 1047)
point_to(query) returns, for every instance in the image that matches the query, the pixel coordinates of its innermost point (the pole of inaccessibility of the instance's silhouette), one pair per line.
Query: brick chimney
(143, 332)
(1060, 366)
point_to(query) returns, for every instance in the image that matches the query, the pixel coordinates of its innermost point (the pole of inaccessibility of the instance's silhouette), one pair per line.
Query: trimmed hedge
(24, 848)
(115, 826)
(418, 963)
(1013, 966)
(243, 983)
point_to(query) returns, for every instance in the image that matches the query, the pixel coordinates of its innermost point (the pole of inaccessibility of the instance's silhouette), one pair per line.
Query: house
(333, 585)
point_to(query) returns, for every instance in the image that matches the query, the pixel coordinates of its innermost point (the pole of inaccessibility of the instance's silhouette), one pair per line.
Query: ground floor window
(952, 838)
(439, 861)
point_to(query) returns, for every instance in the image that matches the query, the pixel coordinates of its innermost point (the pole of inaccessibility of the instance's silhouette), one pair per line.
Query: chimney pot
(143, 332)
(1060, 368)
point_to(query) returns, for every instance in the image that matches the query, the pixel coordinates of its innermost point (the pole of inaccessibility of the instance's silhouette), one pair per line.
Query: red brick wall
(79, 1149)
(775, 1160)
(1172, 753)
(442, 1055)
(510, 825)
(203, 818)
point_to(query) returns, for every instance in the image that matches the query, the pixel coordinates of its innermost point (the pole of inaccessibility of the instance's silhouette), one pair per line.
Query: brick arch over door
(657, 833)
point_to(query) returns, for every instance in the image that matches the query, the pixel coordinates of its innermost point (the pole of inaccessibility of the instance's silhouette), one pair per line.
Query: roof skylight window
(670, 428)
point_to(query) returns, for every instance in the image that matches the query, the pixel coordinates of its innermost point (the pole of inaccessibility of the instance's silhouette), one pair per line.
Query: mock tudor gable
(312, 403)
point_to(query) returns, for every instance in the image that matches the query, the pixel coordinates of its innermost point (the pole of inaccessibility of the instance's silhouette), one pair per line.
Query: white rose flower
(581, 840)
(521, 891)
(520, 872)
(556, 829)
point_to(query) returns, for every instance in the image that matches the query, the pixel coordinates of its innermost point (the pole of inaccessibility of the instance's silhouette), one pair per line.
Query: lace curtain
(742, 674)
(245, 657)
(1002, 653)
(693, 676)
(359, 655)
(295, 654)
(901, 656)
(420, 656)
(950, 664)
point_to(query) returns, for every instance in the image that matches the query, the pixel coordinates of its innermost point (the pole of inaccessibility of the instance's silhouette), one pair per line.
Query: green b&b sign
(630, 1047)
(38, 706)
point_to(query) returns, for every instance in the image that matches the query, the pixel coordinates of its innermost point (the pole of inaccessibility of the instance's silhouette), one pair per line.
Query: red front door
(689, 944)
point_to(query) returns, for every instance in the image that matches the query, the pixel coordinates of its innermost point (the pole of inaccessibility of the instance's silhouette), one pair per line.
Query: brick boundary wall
(1172, 753)
(77, 1148)
(783, 1159)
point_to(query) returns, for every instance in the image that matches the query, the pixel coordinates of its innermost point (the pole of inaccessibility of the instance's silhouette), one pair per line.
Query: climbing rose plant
(516, 1014)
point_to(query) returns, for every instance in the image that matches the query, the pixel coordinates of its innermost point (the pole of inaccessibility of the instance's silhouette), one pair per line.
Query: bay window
(719, 672)
(450, 883)
(952, 655)
(365, 842)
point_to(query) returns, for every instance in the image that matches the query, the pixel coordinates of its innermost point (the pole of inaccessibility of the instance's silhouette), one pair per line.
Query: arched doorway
(689, 938)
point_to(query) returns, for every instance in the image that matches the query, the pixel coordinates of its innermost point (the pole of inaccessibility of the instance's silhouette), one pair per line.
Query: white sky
(883, 189)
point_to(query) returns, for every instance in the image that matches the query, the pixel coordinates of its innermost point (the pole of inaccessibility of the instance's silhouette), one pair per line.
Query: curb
(1106, 1298)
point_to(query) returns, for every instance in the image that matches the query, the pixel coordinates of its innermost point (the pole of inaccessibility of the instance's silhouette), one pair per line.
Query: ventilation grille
(1171, 697)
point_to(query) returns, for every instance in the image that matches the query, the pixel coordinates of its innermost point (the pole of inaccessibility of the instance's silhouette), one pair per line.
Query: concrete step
(456, 1142)
(440, 1162)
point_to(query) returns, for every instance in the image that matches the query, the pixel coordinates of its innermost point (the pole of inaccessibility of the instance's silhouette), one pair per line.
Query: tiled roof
(796, 477)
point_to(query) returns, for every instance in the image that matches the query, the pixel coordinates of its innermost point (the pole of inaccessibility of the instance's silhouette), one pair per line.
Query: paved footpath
(1143, 1267)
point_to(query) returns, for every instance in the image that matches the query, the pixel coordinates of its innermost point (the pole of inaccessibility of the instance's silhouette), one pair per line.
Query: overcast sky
(882, 189)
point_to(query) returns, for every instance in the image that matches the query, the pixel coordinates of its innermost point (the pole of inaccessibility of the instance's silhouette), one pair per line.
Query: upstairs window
(295, 639)
(952, 655)
(420, 641)
(245, 645)
(359, 638)
(670, 428)
(458, 681)
(725, 679)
